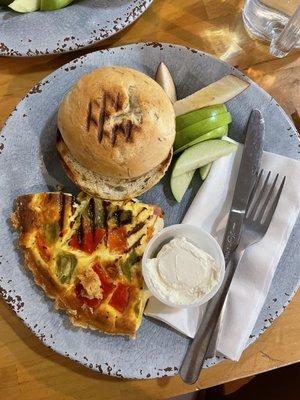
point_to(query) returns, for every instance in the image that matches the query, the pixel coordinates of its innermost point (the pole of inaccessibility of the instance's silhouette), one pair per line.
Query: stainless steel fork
(261, 208)
(259, 213)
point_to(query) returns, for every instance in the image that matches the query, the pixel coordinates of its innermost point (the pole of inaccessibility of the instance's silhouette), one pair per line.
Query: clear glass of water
(275, 21)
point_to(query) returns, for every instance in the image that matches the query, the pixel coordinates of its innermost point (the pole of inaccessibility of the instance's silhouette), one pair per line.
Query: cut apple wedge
(164, 78)
(182, 121)
(193, 132)
(179, 184)
(216, 93)
(204, 171)
(217, 133)
(201, 154)
(24, 6)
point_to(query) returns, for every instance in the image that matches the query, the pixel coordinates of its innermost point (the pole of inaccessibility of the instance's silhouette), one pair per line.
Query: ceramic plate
(29, 163)
(81, 24)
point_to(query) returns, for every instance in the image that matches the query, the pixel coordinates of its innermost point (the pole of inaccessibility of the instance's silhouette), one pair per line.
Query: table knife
(248, 171)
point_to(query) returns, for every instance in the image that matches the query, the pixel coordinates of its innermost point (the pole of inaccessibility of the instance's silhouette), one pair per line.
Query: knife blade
(249, 167)
(248, 171)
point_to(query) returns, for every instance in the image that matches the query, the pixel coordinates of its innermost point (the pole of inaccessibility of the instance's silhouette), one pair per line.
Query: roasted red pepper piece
(74, 242)
(89, 241)
(120, 297)
(117, 239)
(99, 236)
(93, 303)
(43, 249)
(106, 286)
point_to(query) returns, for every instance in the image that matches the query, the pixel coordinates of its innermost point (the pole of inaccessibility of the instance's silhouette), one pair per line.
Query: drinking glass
(275, 21)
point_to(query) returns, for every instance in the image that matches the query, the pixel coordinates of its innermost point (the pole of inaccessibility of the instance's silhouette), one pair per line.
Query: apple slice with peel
(24, 6)
(49, 5)
(204, 171)
(164, 78)
(179, 184)
(192, 132)
(216, 93)
(182, 121)
(214, 134)
(201, 154)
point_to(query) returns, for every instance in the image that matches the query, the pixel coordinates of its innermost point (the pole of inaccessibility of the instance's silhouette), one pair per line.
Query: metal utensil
(249, 168)
(259, 213)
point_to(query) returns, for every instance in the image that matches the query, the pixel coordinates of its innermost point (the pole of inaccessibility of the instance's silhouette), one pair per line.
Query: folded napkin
(253, 277)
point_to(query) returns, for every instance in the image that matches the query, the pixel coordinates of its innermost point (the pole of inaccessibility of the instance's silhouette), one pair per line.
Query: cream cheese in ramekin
(182, 273)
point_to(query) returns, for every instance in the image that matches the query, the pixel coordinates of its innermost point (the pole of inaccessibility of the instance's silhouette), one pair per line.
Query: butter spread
(182, 273)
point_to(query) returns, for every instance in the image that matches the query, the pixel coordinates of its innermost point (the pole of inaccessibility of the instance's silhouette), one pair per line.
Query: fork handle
(196, 353)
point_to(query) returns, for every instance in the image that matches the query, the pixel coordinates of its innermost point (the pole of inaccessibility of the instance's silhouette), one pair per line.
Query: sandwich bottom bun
(107, 187)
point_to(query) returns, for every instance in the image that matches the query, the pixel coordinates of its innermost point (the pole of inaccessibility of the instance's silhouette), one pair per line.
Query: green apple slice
(201, 154)
(204, 171)
(216, 93)
(214, 134)
(48, 5)
(192, 132)
(182, 121)
(179, 184)
(24, 6)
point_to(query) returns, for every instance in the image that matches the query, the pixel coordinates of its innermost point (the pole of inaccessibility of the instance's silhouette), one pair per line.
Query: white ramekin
(198, 237)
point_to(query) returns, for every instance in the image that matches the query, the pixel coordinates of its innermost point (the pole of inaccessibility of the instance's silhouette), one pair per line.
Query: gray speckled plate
(28, 163)
(81, 24)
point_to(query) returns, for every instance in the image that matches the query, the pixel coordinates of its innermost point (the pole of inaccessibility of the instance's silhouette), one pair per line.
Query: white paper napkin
(253, 277)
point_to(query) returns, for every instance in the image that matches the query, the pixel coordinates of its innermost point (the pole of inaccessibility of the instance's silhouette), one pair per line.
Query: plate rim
(138, 45)
(88, 42)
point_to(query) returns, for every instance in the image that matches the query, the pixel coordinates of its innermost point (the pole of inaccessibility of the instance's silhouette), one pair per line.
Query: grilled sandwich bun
(117, 129)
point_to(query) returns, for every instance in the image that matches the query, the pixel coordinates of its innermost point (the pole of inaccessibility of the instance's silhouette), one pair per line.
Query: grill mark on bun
(114, 132)
(127, 129)
(89, 115)
(101, 118)
(118, 102)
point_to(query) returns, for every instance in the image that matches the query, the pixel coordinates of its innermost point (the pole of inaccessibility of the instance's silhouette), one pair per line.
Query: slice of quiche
(86, 254)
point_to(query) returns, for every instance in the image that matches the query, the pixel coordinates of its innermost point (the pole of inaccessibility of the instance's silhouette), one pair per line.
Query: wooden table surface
(28, 370)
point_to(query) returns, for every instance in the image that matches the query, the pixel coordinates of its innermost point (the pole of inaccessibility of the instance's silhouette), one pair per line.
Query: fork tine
(260, 196)
(265, 205)
(253, 191)
(273, 206)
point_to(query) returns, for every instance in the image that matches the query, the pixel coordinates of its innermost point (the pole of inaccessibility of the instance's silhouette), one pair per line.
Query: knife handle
(196, 354)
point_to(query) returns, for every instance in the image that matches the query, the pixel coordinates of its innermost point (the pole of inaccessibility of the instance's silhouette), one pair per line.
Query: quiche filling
(86, 254)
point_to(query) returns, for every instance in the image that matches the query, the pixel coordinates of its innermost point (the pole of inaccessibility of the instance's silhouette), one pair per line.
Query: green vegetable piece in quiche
(100, 214)
(51, 232)
(65, 266)
(130, 261)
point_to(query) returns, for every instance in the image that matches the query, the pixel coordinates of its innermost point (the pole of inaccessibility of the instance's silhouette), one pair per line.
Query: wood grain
(28, 370)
